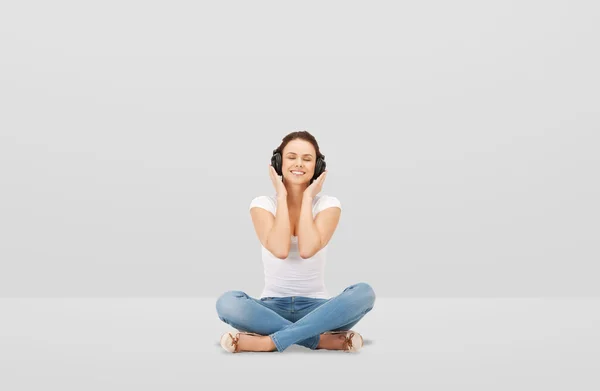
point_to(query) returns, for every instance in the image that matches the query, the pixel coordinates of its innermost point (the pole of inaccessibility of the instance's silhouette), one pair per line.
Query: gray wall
(461, 139)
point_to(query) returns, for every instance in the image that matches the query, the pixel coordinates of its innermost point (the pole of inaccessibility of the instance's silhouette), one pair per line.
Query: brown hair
(304, 135)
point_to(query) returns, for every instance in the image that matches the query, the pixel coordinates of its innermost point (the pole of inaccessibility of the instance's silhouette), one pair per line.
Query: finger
(275, 173)
(322, 180)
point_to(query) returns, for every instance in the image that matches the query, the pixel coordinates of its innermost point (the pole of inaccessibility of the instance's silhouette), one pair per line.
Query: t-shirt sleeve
(327, 202)
(263, 202)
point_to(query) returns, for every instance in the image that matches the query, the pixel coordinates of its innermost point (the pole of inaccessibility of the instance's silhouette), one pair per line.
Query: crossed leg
(338, 313)
(246, 313)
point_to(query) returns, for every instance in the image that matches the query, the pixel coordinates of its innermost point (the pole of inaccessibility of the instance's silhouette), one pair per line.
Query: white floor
(421, 344)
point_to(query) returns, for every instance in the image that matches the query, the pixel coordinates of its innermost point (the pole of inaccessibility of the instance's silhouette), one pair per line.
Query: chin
(296, 180)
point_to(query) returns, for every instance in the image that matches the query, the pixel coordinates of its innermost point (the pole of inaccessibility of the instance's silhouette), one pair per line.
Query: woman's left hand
(315, 187)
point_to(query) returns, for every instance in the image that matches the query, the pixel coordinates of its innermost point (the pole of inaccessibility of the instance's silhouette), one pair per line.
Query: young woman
(294, 227)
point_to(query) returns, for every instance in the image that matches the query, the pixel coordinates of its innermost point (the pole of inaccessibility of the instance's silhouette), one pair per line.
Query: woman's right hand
(277, 182)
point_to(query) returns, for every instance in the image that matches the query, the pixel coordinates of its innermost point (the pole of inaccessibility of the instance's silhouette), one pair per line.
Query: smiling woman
(294, 228)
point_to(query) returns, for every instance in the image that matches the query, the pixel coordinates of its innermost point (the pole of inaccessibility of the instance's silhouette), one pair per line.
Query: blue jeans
(296, 319)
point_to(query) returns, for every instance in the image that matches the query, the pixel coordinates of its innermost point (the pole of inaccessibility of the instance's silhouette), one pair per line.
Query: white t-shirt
(295, 276)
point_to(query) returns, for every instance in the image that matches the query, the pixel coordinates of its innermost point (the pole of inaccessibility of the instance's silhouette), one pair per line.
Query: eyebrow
(306, 154)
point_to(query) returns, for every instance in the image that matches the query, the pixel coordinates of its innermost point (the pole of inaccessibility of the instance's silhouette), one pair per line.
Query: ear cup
(319, 167)
(276, 162)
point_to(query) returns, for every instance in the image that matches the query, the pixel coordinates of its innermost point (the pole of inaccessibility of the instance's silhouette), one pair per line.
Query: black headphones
(319, 167)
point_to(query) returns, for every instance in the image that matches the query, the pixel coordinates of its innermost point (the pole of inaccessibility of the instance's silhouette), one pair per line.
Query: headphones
(276, 163)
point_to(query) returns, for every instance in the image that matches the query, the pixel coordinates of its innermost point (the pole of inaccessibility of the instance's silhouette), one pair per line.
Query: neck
(295, 193)
(294, 198)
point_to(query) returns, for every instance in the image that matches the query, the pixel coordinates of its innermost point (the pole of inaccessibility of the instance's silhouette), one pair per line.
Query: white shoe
(230, 343)
(353, 342)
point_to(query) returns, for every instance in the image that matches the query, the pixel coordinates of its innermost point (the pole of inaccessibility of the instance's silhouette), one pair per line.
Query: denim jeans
(296, 319)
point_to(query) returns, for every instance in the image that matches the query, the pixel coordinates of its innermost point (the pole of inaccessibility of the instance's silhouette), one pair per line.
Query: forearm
(278, 240)
(309, 239)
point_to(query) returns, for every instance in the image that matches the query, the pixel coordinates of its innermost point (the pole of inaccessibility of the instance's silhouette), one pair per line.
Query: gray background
(461, 139)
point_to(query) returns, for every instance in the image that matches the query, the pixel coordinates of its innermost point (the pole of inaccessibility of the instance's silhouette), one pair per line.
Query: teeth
(297, 173)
